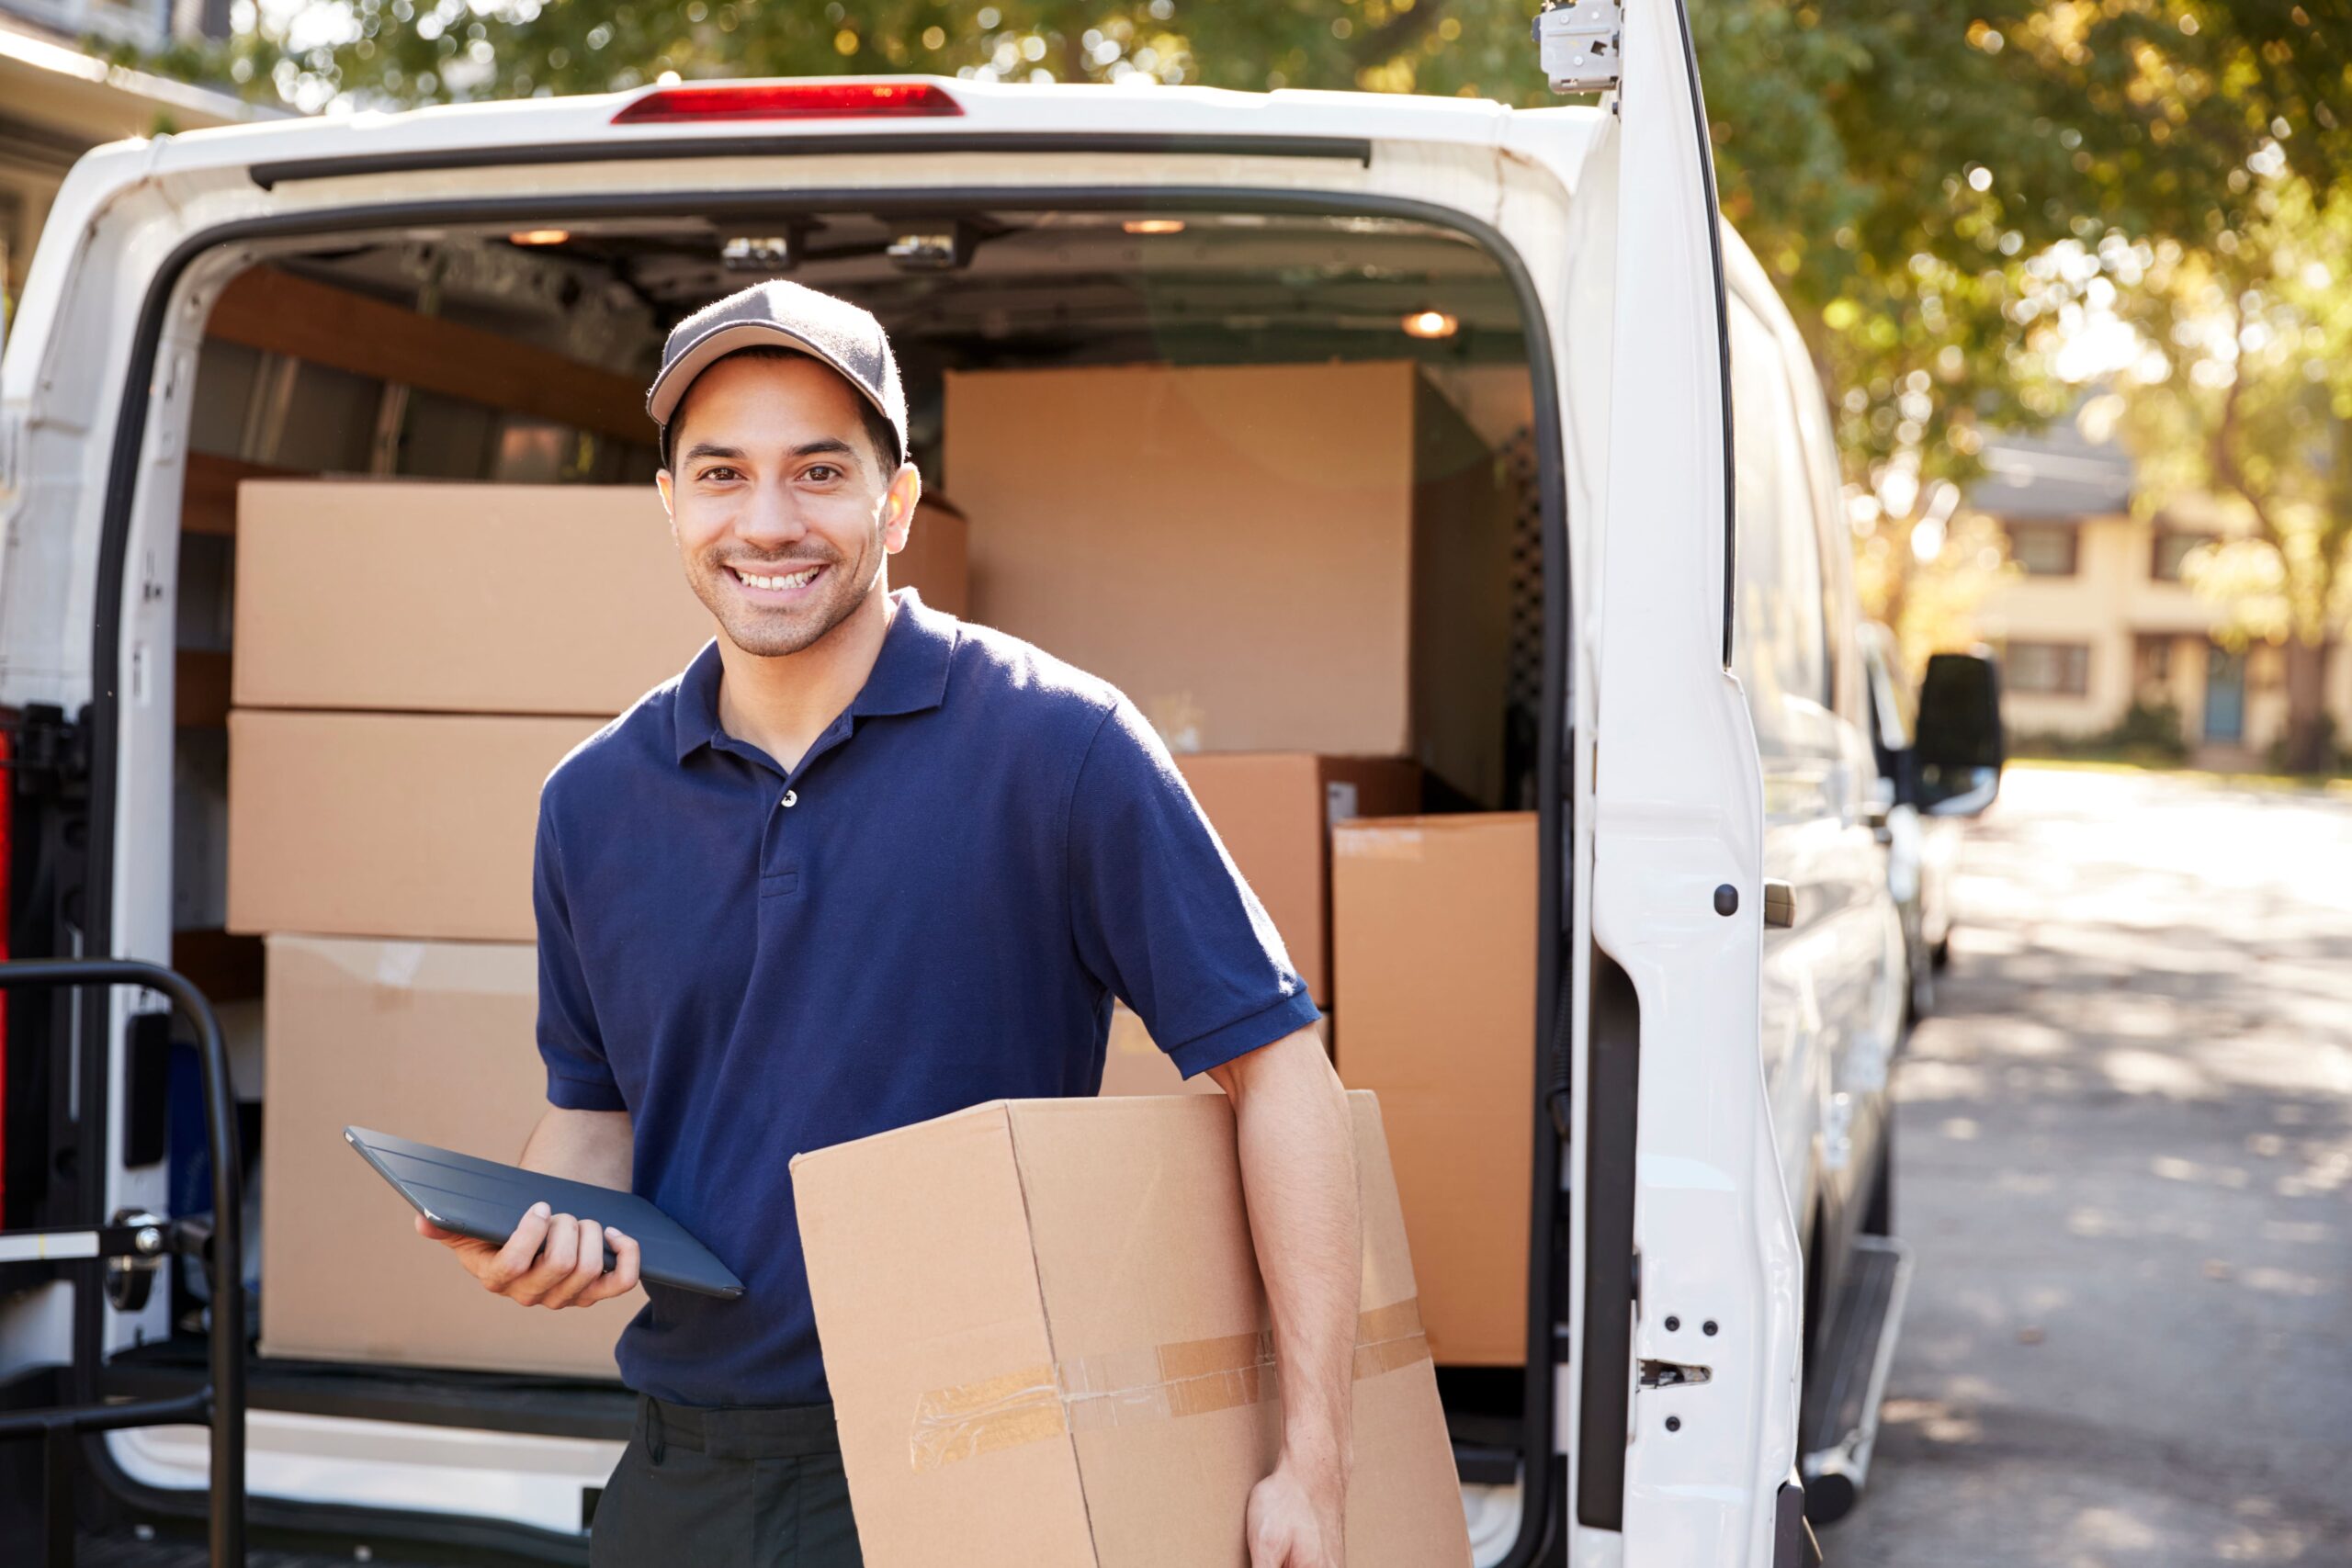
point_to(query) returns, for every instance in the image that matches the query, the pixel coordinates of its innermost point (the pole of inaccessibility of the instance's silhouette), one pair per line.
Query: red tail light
(791, 100)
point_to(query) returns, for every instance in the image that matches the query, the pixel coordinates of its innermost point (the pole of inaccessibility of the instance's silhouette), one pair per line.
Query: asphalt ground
(2124, 1163)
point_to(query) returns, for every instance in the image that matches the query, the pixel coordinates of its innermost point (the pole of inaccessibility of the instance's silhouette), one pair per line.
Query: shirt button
(791, 799)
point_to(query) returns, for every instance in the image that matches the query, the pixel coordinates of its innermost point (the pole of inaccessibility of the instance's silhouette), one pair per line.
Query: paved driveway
(2124, 1160)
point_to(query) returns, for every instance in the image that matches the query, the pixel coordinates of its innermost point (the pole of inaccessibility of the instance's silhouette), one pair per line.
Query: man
(861, 865)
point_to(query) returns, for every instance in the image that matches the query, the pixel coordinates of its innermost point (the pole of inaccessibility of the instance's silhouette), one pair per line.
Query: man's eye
(823, 473)
(720, 473)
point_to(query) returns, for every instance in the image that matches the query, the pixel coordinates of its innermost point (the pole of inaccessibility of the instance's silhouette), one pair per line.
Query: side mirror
(1957, 748)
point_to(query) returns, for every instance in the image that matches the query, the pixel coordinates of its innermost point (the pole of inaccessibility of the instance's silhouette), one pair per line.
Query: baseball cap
(781, 315)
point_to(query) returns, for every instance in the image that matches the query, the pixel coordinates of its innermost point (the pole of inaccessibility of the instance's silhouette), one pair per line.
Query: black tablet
(483, 1200)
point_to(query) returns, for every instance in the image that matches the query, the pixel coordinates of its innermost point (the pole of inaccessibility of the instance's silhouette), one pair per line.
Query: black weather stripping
(625, 148)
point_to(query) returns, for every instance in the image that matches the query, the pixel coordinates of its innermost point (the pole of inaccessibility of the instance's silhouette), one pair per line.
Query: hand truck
(131, 1245)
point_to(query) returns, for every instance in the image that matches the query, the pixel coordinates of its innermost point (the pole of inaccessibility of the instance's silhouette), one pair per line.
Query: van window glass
(1778, 647)
(1833, 532)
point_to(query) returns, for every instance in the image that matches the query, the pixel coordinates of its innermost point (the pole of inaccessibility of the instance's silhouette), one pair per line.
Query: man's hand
(552, 1260)
(1297, 1519)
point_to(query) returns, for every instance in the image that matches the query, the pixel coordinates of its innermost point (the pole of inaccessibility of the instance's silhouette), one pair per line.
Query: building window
(2172, 547)
(2044, 549)
(2151, 660)
(2048, 669)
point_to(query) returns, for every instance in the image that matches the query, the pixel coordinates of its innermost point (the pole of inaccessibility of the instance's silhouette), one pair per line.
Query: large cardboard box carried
(1434, 927)
(1048, 1343)
(415, 596)
(433, 1040)
(1309, 557)
(1273, 810)
(391, 825)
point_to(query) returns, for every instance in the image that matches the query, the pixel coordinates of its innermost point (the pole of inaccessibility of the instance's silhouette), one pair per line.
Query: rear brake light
(796, 100)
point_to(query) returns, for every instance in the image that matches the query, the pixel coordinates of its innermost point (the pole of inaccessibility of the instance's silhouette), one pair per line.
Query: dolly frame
(220, 1402)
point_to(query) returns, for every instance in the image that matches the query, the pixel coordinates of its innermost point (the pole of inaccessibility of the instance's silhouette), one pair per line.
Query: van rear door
(1685, 1292)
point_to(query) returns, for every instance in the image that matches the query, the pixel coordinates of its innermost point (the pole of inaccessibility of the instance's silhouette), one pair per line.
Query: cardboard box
(1434, 927)
(1046, 1340)
(936, 562)
(433, 1040)
(390, 825)
(458, 598)
(1309, 557)
(1274, 811)
(410, 596)
(1133, 1062)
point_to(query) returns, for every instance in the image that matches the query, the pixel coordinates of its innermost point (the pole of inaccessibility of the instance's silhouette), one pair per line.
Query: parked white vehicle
(1708, 1318)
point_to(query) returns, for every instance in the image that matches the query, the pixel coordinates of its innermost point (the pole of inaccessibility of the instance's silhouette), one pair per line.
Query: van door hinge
(49, 753)
(1579, 42)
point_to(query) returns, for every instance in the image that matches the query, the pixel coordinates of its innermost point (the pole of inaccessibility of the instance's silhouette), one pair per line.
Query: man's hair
(879, 435)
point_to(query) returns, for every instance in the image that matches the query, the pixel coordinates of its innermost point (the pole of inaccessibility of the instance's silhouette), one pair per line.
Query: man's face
(781, 507)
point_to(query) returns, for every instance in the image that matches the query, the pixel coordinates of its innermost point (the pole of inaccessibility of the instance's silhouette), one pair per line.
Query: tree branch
(2226, 467)
(1390, 38)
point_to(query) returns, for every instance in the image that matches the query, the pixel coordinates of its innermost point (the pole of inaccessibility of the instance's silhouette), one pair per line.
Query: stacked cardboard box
(410, 662)
(1434, 923)
(1308, 558)
(1048, 1343)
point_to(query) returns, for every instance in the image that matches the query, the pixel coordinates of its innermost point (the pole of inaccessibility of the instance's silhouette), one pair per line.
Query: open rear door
(1688, 1289)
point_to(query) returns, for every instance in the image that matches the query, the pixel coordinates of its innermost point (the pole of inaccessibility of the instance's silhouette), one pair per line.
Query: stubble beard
(774, 633)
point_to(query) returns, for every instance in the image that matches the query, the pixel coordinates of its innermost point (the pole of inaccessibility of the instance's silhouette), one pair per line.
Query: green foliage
(1940, 189)
(2152, 727)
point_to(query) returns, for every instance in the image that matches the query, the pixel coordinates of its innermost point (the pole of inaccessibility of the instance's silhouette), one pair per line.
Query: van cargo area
(1270, 473)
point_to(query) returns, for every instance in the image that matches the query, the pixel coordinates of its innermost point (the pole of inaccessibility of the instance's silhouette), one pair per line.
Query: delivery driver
(860, 865)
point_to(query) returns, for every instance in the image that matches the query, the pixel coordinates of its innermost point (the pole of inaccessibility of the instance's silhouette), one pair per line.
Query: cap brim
(669, 387)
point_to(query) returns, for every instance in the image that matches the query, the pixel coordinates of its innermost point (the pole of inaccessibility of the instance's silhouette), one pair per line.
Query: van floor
(125, 1549)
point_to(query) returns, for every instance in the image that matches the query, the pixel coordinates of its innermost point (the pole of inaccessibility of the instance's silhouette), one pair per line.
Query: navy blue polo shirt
(934, 908)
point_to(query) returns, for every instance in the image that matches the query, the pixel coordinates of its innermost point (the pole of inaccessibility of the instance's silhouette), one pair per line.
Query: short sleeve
(1161, 917)
(578, 1078)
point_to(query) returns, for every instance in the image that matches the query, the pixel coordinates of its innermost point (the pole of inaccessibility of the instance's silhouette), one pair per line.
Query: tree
(1940, 189)
(2246, 396)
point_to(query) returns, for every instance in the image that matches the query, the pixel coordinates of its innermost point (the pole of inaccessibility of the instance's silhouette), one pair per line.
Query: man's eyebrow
(711, 450)
(827, 446)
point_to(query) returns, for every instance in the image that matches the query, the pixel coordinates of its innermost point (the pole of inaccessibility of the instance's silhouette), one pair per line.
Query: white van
(1721, 979)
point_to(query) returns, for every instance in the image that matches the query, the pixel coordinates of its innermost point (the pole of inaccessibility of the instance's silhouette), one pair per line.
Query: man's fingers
(555, 1259)
(623, 1278)
(587, 1268)
(513, 1259)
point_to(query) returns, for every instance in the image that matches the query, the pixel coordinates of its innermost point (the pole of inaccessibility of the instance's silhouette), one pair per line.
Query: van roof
(985, 108)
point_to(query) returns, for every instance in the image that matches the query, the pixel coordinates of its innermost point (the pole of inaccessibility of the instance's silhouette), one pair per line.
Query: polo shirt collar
(909, 675)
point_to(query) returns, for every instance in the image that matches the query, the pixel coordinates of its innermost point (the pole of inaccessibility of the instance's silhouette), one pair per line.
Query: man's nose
(773, 519)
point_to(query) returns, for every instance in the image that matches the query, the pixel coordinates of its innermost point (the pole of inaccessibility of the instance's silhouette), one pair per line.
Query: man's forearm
(1298, 1177)
(595, 1147)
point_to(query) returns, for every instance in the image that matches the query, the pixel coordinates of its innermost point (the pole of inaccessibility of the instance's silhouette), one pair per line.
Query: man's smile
(776, 587)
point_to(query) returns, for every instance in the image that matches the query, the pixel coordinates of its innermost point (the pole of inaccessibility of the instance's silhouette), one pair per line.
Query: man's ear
(668, 507)
(899, 503)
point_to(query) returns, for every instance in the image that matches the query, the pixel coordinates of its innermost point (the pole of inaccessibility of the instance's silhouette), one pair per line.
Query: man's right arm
(556, 1260)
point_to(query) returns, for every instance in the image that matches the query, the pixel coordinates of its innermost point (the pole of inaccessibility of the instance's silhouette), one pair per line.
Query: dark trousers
(729, 1489)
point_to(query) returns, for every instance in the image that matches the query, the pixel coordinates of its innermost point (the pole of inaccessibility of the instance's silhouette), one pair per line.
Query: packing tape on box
(1156, 1382)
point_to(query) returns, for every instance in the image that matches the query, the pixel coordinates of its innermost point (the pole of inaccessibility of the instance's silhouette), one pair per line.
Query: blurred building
(57, 102)
(2099, 619)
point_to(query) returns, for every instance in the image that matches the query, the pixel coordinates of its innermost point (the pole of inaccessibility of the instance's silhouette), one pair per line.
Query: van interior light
(1154, 225)
(1430, 324)
(538, 236)
(932, 250)
(788, 100)
(756, 253)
